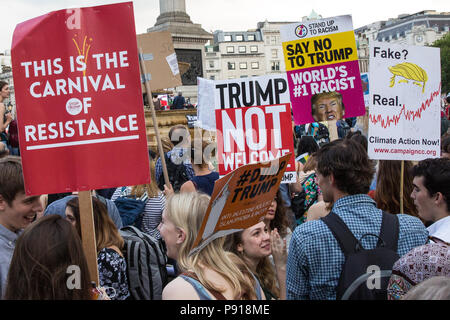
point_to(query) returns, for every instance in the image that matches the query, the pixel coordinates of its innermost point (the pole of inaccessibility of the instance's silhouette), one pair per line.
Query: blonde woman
(209, 274)
(154, 205)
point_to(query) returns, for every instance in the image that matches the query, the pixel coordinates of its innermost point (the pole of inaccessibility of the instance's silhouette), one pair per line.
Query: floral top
(312, 191)
(112, 270)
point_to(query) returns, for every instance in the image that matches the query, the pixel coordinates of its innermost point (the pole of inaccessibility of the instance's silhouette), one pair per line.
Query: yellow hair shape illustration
(409, 71)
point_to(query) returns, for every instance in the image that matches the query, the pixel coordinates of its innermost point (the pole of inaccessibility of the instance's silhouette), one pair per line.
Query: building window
(211, 64)
(253, 48)
(242, 49)
(212, 78)
(251, 37)
(227, 38)
(239, 37)
(275, 65)
(231, 66)
(243, 65)
(230, 49)
(244, 76)
(273, 40)
(274, 53)
(255, 65)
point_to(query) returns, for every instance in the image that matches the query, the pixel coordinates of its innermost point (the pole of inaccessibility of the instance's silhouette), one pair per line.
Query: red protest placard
(79, 100)
(254, 134)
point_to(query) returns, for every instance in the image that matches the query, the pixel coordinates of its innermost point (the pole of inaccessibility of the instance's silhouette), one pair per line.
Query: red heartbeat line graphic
(403, 112)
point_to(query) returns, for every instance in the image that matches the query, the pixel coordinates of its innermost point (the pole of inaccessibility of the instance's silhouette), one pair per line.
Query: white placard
(404, 106)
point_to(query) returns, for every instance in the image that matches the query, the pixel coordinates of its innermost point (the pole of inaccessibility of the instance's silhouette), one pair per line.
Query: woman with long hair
(207, 274)
(112, 267)
(154, 206)
(308, 190)
(276, 218)
(254, 245)
(40, 266)
(387, 193)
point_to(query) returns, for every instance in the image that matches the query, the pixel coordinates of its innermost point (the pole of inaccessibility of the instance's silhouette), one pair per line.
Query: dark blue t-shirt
(205, 183)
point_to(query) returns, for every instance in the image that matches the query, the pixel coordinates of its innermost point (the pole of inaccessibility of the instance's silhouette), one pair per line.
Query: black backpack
(177, 175)
(362, 266)
(146, 264)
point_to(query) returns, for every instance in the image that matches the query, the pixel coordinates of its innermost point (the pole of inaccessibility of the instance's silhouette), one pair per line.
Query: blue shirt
(315, 259)
(177, 156)
(7, 244)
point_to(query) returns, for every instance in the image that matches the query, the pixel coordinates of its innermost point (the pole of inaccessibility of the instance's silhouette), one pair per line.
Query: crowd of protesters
(293, 253)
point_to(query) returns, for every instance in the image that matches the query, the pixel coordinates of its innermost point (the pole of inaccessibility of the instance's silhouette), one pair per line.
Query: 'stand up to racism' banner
(322, 70)
(404, 109)
(241, 199)
(252, 119)
(79, 100)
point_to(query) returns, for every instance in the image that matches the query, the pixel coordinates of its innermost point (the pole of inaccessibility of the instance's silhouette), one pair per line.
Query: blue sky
(226, 15)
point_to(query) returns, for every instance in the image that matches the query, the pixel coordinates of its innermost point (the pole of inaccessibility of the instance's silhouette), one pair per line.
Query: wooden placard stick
(402, 169)
(88, 234)
(155, 123)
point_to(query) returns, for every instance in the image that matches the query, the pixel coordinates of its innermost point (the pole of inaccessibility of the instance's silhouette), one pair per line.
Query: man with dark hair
(315, 259)
(431, 195)
(17, 211)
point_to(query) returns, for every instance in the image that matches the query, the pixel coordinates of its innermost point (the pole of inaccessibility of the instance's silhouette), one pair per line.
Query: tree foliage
(444, 45)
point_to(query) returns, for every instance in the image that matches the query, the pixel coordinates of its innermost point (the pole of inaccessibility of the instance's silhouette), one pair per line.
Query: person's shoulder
(410, 223)
(188, 186)
(215, 175)
(179, 289)
(109, 254)
(310, 231)
(412, 232)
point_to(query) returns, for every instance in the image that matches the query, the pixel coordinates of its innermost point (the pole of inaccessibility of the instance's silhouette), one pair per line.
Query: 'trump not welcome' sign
(79, 100)
(252, 119)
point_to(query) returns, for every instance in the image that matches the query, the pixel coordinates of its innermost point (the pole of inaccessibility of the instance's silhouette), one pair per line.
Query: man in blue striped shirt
(315, 258)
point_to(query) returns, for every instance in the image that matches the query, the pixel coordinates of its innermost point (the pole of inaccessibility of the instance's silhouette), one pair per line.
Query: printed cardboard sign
(79, 100)
(404, 109)
(241, 199)
(322, 70)
(252, 118)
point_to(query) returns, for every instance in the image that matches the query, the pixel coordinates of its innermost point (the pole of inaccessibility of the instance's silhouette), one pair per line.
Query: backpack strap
(341, 232)
(389, 232)
(215, 293)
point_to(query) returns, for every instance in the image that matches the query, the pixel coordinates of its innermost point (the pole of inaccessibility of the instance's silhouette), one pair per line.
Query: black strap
(341, 232)
(347, 241)
(389, 232)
